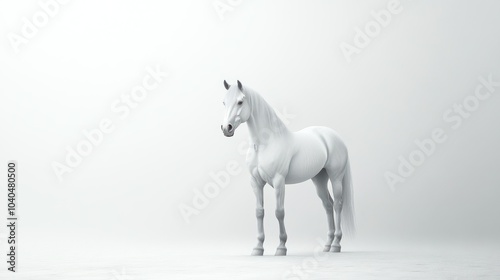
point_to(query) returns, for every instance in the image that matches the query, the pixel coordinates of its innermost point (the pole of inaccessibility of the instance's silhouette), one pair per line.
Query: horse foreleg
(279, 187)
(258, 188)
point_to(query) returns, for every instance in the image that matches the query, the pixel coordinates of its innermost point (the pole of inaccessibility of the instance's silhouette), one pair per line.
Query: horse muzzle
(227, 130)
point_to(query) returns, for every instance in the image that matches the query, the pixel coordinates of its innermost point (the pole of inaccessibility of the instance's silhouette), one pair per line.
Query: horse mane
(263, 114)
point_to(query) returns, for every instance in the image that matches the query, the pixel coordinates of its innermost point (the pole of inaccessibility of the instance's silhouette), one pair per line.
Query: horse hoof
(258, 252)
(335, 249)
(280, 252)
(327, 248)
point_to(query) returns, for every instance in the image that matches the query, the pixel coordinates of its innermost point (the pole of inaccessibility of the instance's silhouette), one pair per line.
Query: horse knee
(280, 213)
(259, 213)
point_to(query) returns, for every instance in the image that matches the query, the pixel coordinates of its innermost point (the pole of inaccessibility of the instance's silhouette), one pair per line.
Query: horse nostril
(229, 128)
(221, 128)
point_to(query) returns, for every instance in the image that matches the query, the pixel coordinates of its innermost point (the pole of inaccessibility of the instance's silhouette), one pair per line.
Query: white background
(125, 195)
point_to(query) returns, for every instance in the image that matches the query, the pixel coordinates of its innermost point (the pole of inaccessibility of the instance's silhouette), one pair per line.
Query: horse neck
(263, 123)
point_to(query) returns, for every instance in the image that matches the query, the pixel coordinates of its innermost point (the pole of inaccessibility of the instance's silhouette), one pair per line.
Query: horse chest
(265, 162)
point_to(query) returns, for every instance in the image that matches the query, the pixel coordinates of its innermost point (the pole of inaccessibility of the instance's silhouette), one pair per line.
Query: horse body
(314, 149)
(298, 156)
(277, 156)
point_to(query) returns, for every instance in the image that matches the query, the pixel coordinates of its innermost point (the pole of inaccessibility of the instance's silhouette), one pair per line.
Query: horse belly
(308, 161)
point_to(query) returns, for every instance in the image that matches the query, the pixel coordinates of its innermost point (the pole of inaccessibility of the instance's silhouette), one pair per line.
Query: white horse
(278, 156)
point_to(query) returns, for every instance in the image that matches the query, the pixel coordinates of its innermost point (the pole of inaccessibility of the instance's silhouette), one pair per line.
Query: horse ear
(240, 86)
(226, 85)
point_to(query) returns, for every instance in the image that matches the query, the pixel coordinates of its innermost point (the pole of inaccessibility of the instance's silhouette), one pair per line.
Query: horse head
(238, 108)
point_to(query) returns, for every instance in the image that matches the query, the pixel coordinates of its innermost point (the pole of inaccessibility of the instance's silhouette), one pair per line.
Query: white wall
(65, 79)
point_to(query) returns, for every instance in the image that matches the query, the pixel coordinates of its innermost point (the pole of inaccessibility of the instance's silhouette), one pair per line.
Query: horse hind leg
(337, 206)
(321, 183)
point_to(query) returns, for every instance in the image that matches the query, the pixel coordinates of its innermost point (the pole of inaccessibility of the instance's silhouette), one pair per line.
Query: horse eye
(240, 102)
(223, 103)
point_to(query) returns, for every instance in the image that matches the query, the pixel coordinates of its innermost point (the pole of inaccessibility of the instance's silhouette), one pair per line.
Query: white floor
(471, 263)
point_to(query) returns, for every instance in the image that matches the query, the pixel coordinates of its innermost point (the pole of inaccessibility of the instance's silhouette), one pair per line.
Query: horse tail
(348, 221)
